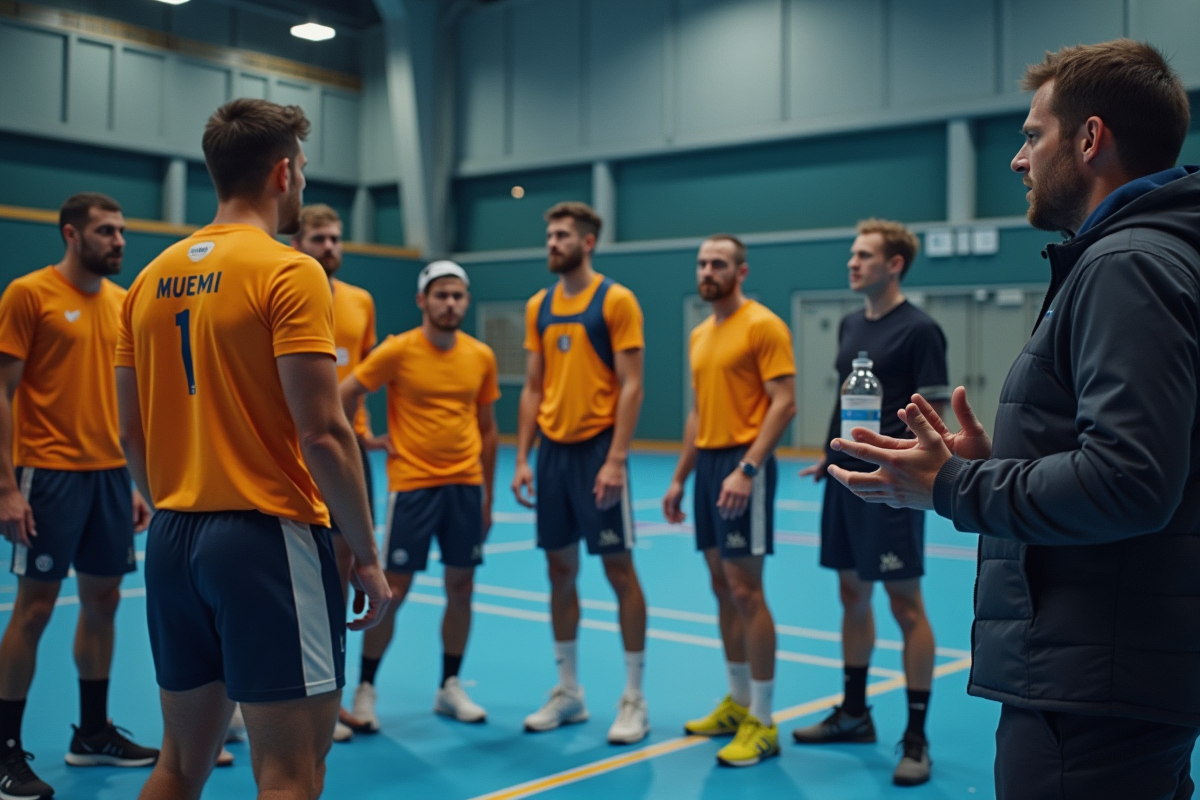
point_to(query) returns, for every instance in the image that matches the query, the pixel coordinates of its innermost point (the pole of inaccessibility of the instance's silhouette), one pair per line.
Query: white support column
(604, 200)
(362, 216)
(960, 171)
(174, 192)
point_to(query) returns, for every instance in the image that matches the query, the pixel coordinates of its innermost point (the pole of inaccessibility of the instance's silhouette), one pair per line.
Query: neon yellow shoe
(723, 721)
(754, 743)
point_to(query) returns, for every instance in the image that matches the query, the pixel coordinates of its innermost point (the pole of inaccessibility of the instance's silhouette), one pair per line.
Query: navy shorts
(751, 534)
(244, 598)
(566, 503)
(453, 513)
(83, 519)
(877, 541)
(366, 462)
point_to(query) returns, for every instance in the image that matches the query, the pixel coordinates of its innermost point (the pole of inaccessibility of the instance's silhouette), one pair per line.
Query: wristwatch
(748, 469)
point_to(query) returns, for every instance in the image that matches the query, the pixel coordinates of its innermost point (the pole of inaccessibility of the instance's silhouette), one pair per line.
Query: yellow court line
(585, 771)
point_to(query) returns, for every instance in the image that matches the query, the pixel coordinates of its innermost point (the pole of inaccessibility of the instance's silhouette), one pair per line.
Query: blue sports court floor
(509, 668)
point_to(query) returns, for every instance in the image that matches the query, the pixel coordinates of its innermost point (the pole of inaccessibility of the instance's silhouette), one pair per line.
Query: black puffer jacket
(1088, 595)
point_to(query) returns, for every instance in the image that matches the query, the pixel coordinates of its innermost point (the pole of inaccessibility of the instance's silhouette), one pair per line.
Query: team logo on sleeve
(564, 343)
(343, 356)
(200, 250)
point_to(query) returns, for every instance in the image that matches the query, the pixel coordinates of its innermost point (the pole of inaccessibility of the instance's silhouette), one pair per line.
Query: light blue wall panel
(1034, 26)
(38, 56)
(251, 86)
(547, 83)
(377, 147)
(339, 132)
(488, 217)
(89, 103)
(836, 59)
(197, 90)
(1172, 25)
(482, 80)
(308, 97)
(140, 94)
(941, 51)
(729, 64)
(626, 43)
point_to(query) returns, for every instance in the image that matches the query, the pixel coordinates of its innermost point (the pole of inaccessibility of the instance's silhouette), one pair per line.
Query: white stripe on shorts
(387, 520)
(758, 513)
(627, 513)
(312, 610)
(20, 559)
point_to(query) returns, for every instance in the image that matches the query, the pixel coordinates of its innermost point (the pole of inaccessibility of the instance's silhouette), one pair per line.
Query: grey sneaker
(838, 727)
(915, 764)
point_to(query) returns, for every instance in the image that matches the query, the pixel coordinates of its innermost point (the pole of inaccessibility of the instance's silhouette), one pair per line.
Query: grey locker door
(1003, 331)
(817, 380)
(953, 313)
(695, 311)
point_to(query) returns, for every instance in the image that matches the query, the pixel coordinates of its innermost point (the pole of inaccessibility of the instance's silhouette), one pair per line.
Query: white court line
(73, 599)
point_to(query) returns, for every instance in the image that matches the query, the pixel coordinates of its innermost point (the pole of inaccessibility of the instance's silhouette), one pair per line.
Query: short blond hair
(898, 240)
(315, 216)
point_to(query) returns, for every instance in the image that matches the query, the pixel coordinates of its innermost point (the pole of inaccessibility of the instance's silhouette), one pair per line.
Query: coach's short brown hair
(586, 219)
(739, 249)
(315, 216)
(897, 240)
(77, 209)
(245, 138)
(1127, 84)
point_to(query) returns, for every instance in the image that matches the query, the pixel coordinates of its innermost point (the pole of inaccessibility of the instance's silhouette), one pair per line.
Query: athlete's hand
(16, 517)
(371, 592)
(972, 442)
(672, 502)
(522, 485)
(817, 470)
(610, 484)
(735, 494)
(380, 442)
(141, 512)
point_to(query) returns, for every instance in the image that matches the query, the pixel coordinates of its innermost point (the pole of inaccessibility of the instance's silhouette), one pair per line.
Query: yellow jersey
(354, 336)
(579, 389)
(65, 407)
(730, 363)
(433, 398)
(203, 326)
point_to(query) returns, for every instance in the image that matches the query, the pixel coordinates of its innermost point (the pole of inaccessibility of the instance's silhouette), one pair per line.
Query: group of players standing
(212, 376)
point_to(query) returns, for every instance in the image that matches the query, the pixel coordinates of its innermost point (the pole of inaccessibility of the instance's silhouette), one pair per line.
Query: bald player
(68, 501)
(441, 387)
(230, 417)
(743, 374)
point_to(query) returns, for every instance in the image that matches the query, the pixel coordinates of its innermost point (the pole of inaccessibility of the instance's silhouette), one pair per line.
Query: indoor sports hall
(782, 130)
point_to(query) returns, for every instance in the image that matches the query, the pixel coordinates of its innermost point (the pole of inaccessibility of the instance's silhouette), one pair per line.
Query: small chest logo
(343, 356)
(564, 343)
(199, 251)
(72, 316)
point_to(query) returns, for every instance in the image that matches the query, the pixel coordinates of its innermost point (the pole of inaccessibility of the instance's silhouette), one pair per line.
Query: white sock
(739, 681)
(634, 663)
(564, 656)
(761, 695)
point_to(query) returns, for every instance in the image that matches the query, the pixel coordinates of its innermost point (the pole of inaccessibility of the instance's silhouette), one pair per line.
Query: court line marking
(684, 616)
(73, 599)
(613, 763)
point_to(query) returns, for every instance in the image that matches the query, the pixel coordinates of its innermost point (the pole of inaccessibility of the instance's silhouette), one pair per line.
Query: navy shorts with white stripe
(752, 533)
(566, 500)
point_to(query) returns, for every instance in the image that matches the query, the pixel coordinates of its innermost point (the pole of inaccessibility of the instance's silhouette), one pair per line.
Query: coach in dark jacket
(1087, 608)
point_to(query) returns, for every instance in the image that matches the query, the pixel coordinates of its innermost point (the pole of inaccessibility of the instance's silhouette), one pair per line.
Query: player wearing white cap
(441, 384)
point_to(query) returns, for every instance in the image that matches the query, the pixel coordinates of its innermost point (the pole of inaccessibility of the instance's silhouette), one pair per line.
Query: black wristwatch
(748, 469)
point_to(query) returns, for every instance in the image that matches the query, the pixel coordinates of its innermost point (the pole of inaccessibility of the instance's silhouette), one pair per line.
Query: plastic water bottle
(862, 397)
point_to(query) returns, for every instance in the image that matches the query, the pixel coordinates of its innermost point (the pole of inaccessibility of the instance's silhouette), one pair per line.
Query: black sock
(11, 712)
(450, 666)
(854, 702)
(93, 706)
(368, 668)
(918, 706)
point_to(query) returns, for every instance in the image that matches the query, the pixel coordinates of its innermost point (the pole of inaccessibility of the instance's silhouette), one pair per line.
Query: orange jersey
(65, 407)
(579, 390)
(203, 325)
(433, 397)
(730, 363)
(354, 336)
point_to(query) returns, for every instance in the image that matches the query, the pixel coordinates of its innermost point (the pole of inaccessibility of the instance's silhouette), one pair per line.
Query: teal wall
(389, 219)
(488, 217)
(998, 190)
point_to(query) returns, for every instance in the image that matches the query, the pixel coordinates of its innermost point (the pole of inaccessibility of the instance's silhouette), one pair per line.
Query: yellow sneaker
(723, 721)
(754, 743)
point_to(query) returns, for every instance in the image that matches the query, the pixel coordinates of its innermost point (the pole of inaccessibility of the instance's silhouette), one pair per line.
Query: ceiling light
(313, 32)
(518, 192)
(173, 2)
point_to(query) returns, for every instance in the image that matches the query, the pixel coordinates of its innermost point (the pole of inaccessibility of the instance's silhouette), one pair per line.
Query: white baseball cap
(440, 269)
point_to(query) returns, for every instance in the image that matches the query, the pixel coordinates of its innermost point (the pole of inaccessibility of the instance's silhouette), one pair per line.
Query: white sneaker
(237, 726)
(364, 708)
(565, 707)
(452, 701)
(632, 724)
(342, 732)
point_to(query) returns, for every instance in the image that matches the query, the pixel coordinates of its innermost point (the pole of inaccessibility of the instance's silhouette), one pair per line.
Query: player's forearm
(487, 459)
(687, 457)
(629, 407)
(351, 393)
(527, 422)
(779, 416)
(8, 474)
(334, 461)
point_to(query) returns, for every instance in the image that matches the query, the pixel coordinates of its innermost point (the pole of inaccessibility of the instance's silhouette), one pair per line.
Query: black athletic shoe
(110, 747)
(18, 780)
(838, 727)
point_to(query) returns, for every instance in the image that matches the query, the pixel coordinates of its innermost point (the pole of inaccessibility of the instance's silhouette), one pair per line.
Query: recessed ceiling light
(518, 192)
(173, 2)
(313, 32)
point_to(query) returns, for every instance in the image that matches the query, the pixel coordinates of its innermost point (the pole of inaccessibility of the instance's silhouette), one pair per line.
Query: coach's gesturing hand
(972, 442)
(907, 467)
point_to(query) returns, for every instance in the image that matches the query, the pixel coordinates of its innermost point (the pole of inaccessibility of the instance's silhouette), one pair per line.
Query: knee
(561, 574)
(907, 612)
(746, 597)
(720, 587)
(621, 576)
(854, 598)
(34, 616)
(460, 588)
(102, 605)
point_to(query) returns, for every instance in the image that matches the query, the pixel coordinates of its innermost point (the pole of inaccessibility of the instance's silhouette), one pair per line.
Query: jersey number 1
(184, 321)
